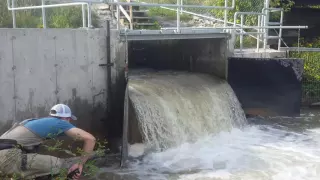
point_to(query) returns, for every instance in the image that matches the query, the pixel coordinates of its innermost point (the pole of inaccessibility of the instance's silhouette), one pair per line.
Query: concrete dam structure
(177, 103)
(180, 91)
(86, 69)
(187, 100)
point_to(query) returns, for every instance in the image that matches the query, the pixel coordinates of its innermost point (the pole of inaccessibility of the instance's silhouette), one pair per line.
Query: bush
(311, 77)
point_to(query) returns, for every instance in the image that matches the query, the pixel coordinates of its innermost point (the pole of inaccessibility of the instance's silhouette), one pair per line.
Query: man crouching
(18, 146)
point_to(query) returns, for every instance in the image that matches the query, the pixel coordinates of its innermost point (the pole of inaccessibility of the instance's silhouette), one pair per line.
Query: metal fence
(311, 77)
(249, 21)
(216, 15)
(44, 4)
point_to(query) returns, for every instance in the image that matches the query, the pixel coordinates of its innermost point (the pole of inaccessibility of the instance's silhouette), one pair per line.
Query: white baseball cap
(62, 110)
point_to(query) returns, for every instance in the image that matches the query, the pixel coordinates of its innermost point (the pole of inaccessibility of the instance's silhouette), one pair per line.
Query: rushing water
(177, 107)
(197, 148)
(254, 153)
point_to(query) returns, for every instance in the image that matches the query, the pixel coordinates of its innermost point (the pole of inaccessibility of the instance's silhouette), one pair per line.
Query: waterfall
(177, 107)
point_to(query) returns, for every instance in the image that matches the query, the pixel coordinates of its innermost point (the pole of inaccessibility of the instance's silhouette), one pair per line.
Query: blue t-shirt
(48, 127)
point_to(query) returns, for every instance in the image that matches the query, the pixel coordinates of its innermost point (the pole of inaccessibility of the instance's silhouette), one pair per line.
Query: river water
(288, 149)
(274, 148)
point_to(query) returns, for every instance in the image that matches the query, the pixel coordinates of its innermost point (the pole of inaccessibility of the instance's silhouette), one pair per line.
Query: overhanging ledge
(140, 35)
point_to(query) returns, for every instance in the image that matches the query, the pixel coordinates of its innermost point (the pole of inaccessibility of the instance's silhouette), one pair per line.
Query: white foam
(251, 154)
(136, 150)
(199, 129)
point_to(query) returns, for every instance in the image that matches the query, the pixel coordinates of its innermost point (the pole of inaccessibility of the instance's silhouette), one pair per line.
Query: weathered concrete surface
(267, 86)
(41, 67)
(115, 115)
(195, 55)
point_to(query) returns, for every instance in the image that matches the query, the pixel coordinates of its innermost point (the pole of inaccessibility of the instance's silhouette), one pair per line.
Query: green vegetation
(168, 14)
(64, 17)
(241, 6)
(311, 78)
(90, 168)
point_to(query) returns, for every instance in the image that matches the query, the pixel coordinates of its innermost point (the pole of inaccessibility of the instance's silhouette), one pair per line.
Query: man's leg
(37, 164)
(42, 165)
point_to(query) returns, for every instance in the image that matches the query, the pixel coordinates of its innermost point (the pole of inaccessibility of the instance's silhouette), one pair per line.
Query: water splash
(178, 107)
(253, 153)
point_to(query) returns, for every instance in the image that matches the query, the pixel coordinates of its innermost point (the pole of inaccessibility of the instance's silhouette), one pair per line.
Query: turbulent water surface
(177, 107)
(199, 131)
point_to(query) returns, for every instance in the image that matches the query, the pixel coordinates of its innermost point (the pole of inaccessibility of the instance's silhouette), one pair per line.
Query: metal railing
(128, 17)
(83, 3)
(179, 7)
(43, 6)
(258, 31)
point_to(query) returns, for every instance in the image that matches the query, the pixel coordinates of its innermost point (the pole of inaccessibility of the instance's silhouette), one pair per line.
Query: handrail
(266, 21)
(302, 49)
(178, 5)
(50, 6)
(120, 7)
(242, 18)
(179, 9)
(249, 27)
(126, 15)
(43, 6)
(212, 18)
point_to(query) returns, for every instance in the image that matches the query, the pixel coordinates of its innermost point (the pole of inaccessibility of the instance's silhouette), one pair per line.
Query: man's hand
(74, 167)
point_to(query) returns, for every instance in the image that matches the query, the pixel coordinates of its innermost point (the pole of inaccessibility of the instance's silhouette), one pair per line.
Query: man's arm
(88, 139)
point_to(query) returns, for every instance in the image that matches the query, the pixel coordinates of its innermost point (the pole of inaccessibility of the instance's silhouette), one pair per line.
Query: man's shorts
(37, 165)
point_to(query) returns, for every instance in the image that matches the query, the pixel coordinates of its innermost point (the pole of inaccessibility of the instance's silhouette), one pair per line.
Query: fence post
(225, 13)
(44, 18)
(118, 17)
(83, 16)
(178, 16)
(266, 23)
(280, 31)
(89, 15)
(14, 25)
(258, 35)
(241, 33)
(131, 15)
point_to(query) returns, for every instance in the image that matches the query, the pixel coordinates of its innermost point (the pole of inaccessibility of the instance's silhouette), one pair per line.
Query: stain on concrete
(295, 65)
(91, 106)
(85, 68)
(32, 112)
(115, 114)
(202, 55)
(89, 114)
(4, 126)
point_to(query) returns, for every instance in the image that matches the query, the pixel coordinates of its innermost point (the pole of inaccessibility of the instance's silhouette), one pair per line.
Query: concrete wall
(39, 68)
(267, 86)
(195, 55)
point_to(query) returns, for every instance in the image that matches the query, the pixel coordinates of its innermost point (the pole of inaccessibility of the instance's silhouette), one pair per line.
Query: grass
(168, 14)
